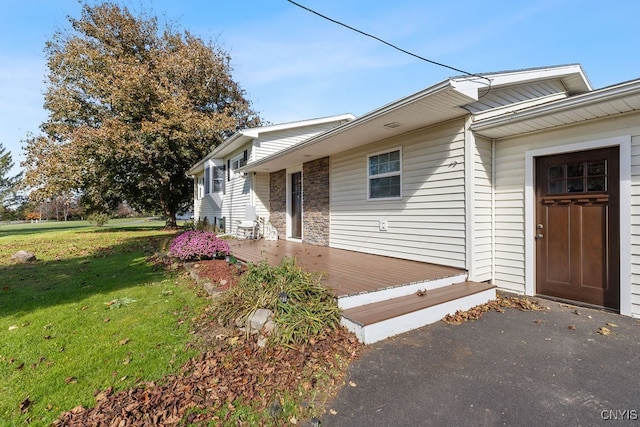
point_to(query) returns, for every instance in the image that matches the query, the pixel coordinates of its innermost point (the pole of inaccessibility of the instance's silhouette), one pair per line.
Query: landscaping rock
(269, 327)
(210, 288)
(258, 319)
(23, 256)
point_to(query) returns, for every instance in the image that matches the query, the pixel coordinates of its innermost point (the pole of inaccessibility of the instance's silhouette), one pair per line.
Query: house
(222, 191)
(526, 179)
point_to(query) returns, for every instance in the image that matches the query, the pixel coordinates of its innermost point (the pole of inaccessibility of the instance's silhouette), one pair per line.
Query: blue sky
(294, 65)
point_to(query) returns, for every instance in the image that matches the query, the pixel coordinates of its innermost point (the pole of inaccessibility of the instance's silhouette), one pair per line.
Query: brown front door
(577, 226)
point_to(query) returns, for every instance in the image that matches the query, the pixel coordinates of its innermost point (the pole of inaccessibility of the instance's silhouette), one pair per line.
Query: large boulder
(23, 256)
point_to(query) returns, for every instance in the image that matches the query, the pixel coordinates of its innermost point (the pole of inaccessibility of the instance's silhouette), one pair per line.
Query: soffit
(412, 113)
(607, 102)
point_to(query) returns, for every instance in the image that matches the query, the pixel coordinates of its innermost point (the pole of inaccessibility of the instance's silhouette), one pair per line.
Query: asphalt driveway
(517, 368)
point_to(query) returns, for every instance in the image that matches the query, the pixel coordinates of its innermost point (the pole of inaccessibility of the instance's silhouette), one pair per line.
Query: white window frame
(220, 179)
(383, 175)
(236, 163)
(200, 188)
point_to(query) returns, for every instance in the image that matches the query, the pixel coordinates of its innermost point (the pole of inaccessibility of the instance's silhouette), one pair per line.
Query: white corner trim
(624, 144)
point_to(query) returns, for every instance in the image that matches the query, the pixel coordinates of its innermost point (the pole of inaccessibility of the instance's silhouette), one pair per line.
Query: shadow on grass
(27, 287)
(27, 229)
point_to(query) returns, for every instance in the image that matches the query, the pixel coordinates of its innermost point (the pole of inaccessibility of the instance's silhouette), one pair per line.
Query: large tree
(8, 184)
(132, 107)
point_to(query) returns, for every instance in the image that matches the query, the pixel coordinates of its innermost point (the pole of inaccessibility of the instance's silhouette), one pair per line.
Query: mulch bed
(230, 366)
(218, 272)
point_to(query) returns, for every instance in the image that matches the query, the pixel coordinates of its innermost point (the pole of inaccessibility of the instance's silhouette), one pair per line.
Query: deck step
(379, 320)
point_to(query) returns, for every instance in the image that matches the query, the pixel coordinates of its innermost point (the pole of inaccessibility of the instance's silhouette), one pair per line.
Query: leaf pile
(499, 304)
(236, 373)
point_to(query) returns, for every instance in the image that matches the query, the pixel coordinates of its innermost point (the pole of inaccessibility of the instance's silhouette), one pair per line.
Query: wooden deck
(343, 272)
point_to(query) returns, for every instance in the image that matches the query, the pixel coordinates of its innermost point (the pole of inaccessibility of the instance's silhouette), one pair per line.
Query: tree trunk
(171, 220)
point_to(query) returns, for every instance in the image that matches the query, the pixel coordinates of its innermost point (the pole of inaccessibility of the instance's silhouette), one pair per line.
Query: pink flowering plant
(196, 245)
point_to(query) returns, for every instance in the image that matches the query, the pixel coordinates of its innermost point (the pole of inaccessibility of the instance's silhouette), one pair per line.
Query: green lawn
(91, 313)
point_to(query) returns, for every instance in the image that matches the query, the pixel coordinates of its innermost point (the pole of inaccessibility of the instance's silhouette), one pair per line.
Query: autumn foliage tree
(131, 108)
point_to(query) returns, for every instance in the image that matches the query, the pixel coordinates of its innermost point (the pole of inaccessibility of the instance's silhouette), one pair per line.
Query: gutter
(583, 100)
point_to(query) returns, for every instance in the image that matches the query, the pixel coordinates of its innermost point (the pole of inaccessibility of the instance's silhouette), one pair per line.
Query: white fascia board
(577, 101)
(470, 86)
(256, 132)
(563, 72)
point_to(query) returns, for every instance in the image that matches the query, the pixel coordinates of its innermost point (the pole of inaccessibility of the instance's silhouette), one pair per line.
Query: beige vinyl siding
(510, 204)
(428, 223)
(273, 142)
(204, 206)
(482, 220)
(237, 195)
(635, 223)
(261, 188)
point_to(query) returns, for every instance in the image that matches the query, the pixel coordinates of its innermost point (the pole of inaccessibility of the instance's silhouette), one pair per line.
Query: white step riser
(397, 291)
(379, 331)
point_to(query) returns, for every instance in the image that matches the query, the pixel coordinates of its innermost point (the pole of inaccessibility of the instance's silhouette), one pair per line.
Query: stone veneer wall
(278, 202)
(315, 202)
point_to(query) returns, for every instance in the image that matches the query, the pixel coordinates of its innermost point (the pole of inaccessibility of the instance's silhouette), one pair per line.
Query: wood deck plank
(380, 311)
(343, 272)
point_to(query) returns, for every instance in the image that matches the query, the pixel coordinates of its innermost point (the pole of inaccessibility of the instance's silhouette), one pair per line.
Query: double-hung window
(238, 162)
(218, 179)
(385, 175)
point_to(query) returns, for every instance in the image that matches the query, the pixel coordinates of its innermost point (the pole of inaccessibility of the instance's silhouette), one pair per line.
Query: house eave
(436, 104)
(240, 138)
(618, 99)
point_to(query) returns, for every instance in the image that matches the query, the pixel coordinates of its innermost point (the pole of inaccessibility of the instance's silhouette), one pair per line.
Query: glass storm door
(296, 205)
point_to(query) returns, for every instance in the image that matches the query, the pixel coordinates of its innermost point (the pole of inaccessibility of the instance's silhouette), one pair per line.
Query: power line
(387, 43)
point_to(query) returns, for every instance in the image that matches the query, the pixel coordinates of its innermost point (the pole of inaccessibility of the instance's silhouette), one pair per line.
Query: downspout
(469, 199)
(493, 211)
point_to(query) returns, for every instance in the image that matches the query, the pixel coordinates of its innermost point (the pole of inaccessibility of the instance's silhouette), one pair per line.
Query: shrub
(196, 245)
(98, 219)
(308, 312)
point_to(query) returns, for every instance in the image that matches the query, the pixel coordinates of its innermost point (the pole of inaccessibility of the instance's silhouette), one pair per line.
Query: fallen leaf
(333, 411)
(293, 420)
(106, 320)
(71, 380)
(352, 384)
(537, 321)
(13, 327)
(24, 405)
(613, 325)
(577, 312)
(604, 331)
(572, 327)
(126, 361)
(84, 307)
(124, 341)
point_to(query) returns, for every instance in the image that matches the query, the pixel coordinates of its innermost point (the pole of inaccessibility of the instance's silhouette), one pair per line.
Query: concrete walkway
(515, 368)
